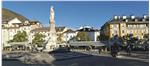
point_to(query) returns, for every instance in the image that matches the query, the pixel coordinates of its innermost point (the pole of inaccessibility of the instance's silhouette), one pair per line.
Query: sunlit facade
(121, 26)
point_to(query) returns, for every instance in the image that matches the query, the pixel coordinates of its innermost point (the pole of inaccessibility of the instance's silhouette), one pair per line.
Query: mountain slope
(8, 15)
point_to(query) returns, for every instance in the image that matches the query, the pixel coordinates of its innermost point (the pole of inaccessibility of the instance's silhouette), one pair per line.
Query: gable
(15, 20)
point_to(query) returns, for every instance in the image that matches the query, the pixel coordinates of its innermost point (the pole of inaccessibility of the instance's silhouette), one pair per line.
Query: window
(122, 31)
(115, 25)
(142, 33)
(122, 25)
(115, 31)
(112, 34)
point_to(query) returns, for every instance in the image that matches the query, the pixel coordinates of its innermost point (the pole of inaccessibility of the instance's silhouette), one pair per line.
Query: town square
(75, 33)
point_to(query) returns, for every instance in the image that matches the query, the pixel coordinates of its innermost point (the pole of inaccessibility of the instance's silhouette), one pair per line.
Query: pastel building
(123, 25)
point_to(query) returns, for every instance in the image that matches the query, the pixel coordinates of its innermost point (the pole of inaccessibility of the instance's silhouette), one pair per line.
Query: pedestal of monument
(51, 46)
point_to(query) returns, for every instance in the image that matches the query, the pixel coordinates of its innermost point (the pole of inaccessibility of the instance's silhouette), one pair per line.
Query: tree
(103, 37)
(38, 39)
(146, 36)
(60, 38)
(82, 36)
(98, 38)
(20, 37)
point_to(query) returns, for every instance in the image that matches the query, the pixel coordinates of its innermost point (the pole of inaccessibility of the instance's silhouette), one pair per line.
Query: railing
(86, 43)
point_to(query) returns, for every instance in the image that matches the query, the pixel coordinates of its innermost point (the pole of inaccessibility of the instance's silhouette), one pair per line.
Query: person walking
(114, 50)
(128, 49)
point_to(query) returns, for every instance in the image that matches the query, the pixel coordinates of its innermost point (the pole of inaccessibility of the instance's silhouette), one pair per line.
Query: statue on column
(52, 14)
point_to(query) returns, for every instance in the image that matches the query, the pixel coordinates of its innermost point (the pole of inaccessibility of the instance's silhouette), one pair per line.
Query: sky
(74, 14)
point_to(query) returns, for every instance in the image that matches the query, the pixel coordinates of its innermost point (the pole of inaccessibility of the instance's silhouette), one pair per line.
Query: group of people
(115, 48)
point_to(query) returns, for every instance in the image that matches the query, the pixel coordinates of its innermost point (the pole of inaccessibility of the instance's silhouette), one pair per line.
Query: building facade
(45, 31)
(121, 26)
(92, 33)
(11, 27)
(69, 34)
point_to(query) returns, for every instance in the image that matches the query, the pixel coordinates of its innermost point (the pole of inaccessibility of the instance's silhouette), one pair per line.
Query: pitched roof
(88, 30)
(139, 20)
(70, 31)
(46, 29)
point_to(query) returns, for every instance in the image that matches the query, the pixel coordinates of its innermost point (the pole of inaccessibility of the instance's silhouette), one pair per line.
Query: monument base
(50, 47)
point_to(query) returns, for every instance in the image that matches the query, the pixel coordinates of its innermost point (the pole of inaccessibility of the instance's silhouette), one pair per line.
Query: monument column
(51, 45)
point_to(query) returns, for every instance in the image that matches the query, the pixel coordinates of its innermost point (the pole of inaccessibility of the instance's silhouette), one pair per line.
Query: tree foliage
(60, 38)
(103, 37)
(82, 36)
(20, 37)
(146, 36)
(38, 39)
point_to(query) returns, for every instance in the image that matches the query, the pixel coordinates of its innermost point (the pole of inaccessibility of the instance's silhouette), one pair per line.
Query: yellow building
(121, 26)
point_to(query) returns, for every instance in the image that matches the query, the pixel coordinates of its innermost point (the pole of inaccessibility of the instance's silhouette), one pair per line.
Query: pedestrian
(114, 50)
(128, 49)
(99, 51)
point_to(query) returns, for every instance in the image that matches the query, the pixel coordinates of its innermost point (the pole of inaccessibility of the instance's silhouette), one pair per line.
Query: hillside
(8, 15)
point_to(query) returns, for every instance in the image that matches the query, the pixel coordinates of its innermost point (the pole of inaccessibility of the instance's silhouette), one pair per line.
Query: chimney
(124, 17)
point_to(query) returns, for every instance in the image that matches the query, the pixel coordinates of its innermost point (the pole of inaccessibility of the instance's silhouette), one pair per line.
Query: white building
(92, 33)
(45, 31)
(69, 34)
(11, 27)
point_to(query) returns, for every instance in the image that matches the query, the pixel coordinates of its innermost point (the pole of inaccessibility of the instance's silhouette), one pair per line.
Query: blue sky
(79, 13)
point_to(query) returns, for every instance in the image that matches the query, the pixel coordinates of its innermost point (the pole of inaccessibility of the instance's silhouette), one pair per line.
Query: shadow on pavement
(80, 59)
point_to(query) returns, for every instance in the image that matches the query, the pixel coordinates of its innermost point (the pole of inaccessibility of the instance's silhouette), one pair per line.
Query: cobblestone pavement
(138, 58)
(106, 60)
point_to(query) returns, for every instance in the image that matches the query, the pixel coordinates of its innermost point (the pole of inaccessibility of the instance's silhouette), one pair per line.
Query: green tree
(20, 37)
(60, 38)
(98, 38)
(82, 36)
(146, 36)
(38, 39)
(103, 37)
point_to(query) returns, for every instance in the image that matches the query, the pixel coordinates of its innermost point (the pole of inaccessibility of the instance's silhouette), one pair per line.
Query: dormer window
(124, 17)
(145, 16)
(132, 17)
(115, 17)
